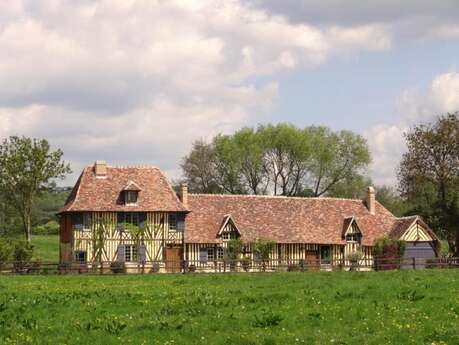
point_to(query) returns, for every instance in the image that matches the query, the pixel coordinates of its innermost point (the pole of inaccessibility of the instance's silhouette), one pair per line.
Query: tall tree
(279, 159)
(286, 157)
(27, 166)
(429, 174)
(198, 168)
(337, 158)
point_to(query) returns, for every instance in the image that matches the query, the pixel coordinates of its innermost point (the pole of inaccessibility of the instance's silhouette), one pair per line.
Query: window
(353, 237)
(203, 255)
(231, 235)
(210, 254)
(131, 218)
(130, 197)
(220, 253)
(325, 253)
(80, 256)
(130, 253)
(87, 221)
(172, 222)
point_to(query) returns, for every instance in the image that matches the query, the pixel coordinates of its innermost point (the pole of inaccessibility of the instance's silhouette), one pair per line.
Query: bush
(6, 250)
(389, 252)
(118, 267)
(245, 263)
(50, 228)
(354, 258)
(22, 254)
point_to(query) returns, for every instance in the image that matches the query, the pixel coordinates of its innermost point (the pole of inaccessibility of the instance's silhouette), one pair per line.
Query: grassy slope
(46, 247)
(408, 307)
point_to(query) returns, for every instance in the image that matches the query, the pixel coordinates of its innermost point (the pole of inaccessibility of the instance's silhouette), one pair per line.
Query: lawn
(46, 247)
(406, 307)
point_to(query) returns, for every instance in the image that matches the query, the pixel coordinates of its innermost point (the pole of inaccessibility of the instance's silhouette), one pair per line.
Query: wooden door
(173, 259)
(312, 261)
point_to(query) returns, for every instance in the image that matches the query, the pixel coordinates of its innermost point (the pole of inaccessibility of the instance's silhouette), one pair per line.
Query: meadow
(46, 247)
(397, 307)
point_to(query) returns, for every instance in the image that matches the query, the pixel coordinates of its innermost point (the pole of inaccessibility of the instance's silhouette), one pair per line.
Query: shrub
(6, 249)
(444, 250)
(354, 258)
(22, 254)
(245, 263)
(118, 267)
(50, 228)
(388, 251)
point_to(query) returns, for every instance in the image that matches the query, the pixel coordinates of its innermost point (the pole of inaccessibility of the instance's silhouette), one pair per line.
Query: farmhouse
(132, 215)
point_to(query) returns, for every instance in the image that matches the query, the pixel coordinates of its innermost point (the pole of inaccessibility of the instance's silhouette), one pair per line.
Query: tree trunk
(27, 226)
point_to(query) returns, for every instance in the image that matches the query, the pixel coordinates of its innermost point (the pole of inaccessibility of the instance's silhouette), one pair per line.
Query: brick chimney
(183, 194)
(100, 169)
(370, 200)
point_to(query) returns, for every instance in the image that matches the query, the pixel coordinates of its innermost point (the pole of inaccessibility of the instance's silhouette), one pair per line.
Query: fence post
(414, 263)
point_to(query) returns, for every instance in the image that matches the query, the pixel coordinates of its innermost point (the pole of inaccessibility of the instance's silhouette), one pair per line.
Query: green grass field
(406, 307)
(46, 247)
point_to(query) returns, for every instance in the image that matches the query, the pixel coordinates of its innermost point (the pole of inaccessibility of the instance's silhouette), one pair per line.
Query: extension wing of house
(107, 202)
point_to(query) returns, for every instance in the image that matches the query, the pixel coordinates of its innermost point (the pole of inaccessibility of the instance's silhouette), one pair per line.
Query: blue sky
(135, 82)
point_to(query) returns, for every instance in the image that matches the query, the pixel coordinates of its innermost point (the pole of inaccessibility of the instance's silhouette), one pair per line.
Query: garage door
(420, 251)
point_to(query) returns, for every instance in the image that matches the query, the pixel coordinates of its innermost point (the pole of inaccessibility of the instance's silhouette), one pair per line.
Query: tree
(429, 174)
(278, 159)
(391, 199)
(27, 166)
(337, 157)
(262, 249)
(198, 168)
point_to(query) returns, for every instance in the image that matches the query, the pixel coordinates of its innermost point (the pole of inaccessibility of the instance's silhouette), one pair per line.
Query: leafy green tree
(278, 159)
(429, 175)
(262, 249)
(228, 165)
(251, 153)
(27, 166)
(198, 168)
(336, 158)
(286, 156)
(391, 199)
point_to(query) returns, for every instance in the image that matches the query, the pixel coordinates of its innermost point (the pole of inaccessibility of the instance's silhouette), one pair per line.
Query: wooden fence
(380, 264)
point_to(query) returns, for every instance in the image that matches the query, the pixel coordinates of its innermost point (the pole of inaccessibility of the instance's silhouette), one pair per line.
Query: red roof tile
(93, 193)
(284, 219)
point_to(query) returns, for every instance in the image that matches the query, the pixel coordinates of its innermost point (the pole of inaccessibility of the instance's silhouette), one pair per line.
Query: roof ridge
(127, 167)
(274, 196)
(407, 217)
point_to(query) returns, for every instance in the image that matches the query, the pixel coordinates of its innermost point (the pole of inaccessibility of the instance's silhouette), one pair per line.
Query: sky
(135, 82)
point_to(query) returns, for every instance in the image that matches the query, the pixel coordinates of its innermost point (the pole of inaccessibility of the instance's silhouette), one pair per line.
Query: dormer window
(130, 197)
(226, 236)
(353, 238)
(228, 230)
(351, 230)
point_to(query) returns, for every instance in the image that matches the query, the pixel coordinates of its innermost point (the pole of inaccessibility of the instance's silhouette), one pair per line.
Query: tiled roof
(93, 193)
(284, 219)
(404, 223)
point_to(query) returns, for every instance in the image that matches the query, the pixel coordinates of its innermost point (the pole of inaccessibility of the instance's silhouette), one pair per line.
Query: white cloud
(387, 143)
(137, 81)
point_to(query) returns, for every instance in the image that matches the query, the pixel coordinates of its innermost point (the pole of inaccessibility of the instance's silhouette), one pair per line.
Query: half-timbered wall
(416, 232)
(285, 253)
(157, 236)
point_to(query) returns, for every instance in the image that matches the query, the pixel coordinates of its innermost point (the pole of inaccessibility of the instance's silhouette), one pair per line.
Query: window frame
(211, 254)
(127, 198)
(77, 259)
(172, 216)
(229, 235)
(353, 238)
(220, 253)
(86, 221)
(133, 216)
(131, 251)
